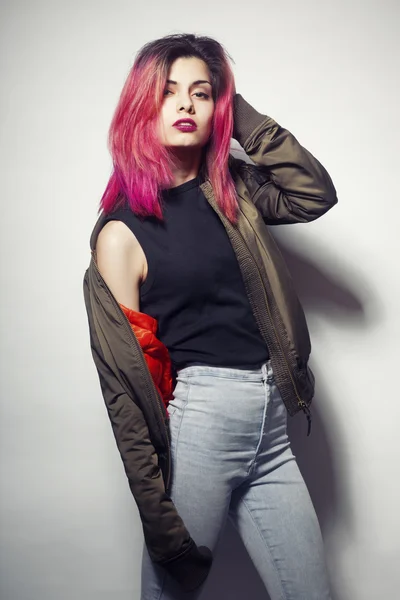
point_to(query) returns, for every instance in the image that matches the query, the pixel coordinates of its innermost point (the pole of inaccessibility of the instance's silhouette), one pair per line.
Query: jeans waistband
(263, 372)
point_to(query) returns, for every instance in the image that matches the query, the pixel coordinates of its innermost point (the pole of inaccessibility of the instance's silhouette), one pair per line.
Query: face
(187, 95)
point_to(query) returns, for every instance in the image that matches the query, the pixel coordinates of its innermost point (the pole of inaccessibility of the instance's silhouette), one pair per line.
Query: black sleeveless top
(194, 287)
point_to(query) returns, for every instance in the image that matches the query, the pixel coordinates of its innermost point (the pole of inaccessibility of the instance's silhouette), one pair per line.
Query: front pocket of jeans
(172, 408)
(180, 397)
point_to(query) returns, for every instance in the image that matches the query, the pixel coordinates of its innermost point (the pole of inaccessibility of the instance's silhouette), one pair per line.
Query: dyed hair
(142, 165)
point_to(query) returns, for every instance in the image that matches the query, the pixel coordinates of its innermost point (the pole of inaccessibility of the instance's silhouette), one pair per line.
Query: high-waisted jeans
(232, 459)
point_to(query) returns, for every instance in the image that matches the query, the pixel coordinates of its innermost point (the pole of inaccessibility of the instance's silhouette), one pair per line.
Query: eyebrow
(194, 82)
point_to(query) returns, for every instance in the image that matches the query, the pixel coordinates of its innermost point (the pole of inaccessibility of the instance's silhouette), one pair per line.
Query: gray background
(329, 72)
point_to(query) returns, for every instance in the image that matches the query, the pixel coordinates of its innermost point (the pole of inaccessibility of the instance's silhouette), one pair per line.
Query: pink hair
(142, 164)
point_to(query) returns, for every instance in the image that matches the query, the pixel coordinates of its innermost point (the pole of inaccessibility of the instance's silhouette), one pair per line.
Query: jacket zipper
(300, 401)
(264, 331)
(150, 387)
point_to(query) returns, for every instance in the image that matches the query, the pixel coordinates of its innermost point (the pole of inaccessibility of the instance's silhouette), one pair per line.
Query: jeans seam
(179, 429)
(264, 420)
(267, 547)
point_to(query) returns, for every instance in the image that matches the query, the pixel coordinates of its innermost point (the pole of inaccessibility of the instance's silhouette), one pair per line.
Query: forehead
(188, 69)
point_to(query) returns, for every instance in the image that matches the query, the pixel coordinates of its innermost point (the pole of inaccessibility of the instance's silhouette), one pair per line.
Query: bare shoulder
(117, 236)
(121, 262)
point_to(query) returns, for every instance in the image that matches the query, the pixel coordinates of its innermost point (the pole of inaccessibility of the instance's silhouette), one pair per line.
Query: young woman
(199, 339)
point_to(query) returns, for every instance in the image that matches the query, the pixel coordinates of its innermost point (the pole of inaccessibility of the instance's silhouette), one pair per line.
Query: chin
(186, 144)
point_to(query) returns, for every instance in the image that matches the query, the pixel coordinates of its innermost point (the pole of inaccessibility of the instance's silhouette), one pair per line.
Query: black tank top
(194, 287)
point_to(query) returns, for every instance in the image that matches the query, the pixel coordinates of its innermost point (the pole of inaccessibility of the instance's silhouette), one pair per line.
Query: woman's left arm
(289, 185)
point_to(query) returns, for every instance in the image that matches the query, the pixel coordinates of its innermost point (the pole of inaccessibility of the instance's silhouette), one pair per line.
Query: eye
(198, 94)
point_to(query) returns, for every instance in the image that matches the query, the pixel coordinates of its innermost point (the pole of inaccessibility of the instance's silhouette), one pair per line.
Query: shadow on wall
(233, 575)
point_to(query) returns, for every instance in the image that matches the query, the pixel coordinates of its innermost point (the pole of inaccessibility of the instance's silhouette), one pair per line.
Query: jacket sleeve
(167, 539)
(287, 183)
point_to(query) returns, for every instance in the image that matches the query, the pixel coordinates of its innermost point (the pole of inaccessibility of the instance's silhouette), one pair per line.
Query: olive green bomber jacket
(285, 185)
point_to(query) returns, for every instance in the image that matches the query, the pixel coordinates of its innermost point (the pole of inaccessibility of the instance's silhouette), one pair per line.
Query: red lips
(179, 121)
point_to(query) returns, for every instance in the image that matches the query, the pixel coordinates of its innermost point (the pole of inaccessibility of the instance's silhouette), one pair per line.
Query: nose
(185, 104)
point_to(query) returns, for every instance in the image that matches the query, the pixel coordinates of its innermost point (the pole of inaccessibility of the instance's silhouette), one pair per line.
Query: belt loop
(268, 368)
(264, 371)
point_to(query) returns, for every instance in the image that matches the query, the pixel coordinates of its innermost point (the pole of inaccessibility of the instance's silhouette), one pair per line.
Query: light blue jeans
(232, 459)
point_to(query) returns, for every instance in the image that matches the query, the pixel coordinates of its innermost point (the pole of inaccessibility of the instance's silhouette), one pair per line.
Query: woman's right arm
(121, 262)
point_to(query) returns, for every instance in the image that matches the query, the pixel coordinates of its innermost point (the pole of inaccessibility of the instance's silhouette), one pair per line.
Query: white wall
(329, 73)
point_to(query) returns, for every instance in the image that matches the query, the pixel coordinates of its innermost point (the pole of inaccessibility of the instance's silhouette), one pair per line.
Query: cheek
(211, 118)
(161, 122)
(210, 124)
(161, 126)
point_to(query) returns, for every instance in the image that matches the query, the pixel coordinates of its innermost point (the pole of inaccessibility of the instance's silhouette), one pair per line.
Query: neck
(187, 165)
